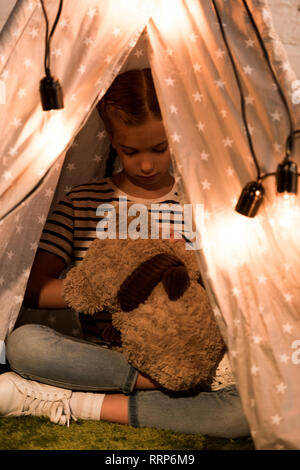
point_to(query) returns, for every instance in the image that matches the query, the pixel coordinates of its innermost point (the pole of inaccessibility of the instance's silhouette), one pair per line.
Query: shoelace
(58, 411)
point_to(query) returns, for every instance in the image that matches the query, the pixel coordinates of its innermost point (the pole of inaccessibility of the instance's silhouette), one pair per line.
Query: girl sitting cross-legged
(62, 377)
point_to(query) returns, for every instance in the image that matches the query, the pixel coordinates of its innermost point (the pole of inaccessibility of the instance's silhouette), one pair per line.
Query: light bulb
(53, 137)
(231, 240)
(285, 210)
(169, 17)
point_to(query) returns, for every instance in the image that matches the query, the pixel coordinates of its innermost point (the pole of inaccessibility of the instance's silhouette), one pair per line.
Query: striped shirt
(74, 223)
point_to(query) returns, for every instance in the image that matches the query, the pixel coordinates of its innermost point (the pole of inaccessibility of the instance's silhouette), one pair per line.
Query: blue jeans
(37, 352)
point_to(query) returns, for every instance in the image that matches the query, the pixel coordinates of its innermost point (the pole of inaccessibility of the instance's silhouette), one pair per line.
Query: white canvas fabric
(250, 266)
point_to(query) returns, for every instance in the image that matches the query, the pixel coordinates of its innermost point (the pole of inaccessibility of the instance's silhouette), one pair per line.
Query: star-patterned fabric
(250, 266)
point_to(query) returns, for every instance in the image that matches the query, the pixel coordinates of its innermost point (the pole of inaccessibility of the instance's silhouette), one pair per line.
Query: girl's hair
(130, 99)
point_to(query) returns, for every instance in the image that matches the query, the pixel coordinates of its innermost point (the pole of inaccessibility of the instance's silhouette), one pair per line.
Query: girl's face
(144, 152)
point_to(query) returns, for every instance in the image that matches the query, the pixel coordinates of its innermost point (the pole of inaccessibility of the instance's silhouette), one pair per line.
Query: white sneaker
(22, 397)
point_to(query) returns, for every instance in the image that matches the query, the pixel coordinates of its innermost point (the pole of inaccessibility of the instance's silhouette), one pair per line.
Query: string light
(284, 213)
(50, 88)
(253, 193)
(287, 171)
(287, 178)
(286, 174)
(250, 199)
(230, 240)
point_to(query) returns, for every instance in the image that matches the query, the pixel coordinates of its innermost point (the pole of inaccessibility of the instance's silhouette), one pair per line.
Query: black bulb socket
(287, 177)
(250, 199)
(51, 94)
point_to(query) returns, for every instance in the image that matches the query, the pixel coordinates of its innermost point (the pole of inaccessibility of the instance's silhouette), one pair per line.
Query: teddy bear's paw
(78, 294)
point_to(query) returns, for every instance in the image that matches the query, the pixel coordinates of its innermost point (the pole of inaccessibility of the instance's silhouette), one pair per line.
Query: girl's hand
(44, 288)
(111, 335)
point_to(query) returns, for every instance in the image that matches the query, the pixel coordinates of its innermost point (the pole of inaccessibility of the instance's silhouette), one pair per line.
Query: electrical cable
(47, 71)
(50, 88)
(48, 75)
(242, 97)
(49, 37)
(289, 142)
(286, 174)
(267, 57)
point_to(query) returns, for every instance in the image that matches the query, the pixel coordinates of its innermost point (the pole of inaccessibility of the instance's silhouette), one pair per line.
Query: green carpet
(31, 433)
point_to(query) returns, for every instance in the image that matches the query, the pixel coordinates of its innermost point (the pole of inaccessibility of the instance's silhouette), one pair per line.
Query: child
(74, 368)
(132, 118)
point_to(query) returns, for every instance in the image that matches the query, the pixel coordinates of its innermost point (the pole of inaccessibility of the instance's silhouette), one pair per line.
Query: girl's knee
(23, 344)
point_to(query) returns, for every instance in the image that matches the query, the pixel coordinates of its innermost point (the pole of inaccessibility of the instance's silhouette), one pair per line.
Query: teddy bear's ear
(139, 285)
(176, 281)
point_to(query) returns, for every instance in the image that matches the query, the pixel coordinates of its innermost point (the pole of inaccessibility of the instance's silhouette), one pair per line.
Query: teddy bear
(155, 294)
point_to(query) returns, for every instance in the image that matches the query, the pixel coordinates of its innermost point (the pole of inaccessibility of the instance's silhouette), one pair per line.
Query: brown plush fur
(175, 342)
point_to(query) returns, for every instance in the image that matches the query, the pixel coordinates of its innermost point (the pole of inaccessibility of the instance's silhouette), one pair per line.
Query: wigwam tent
(229, 102)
